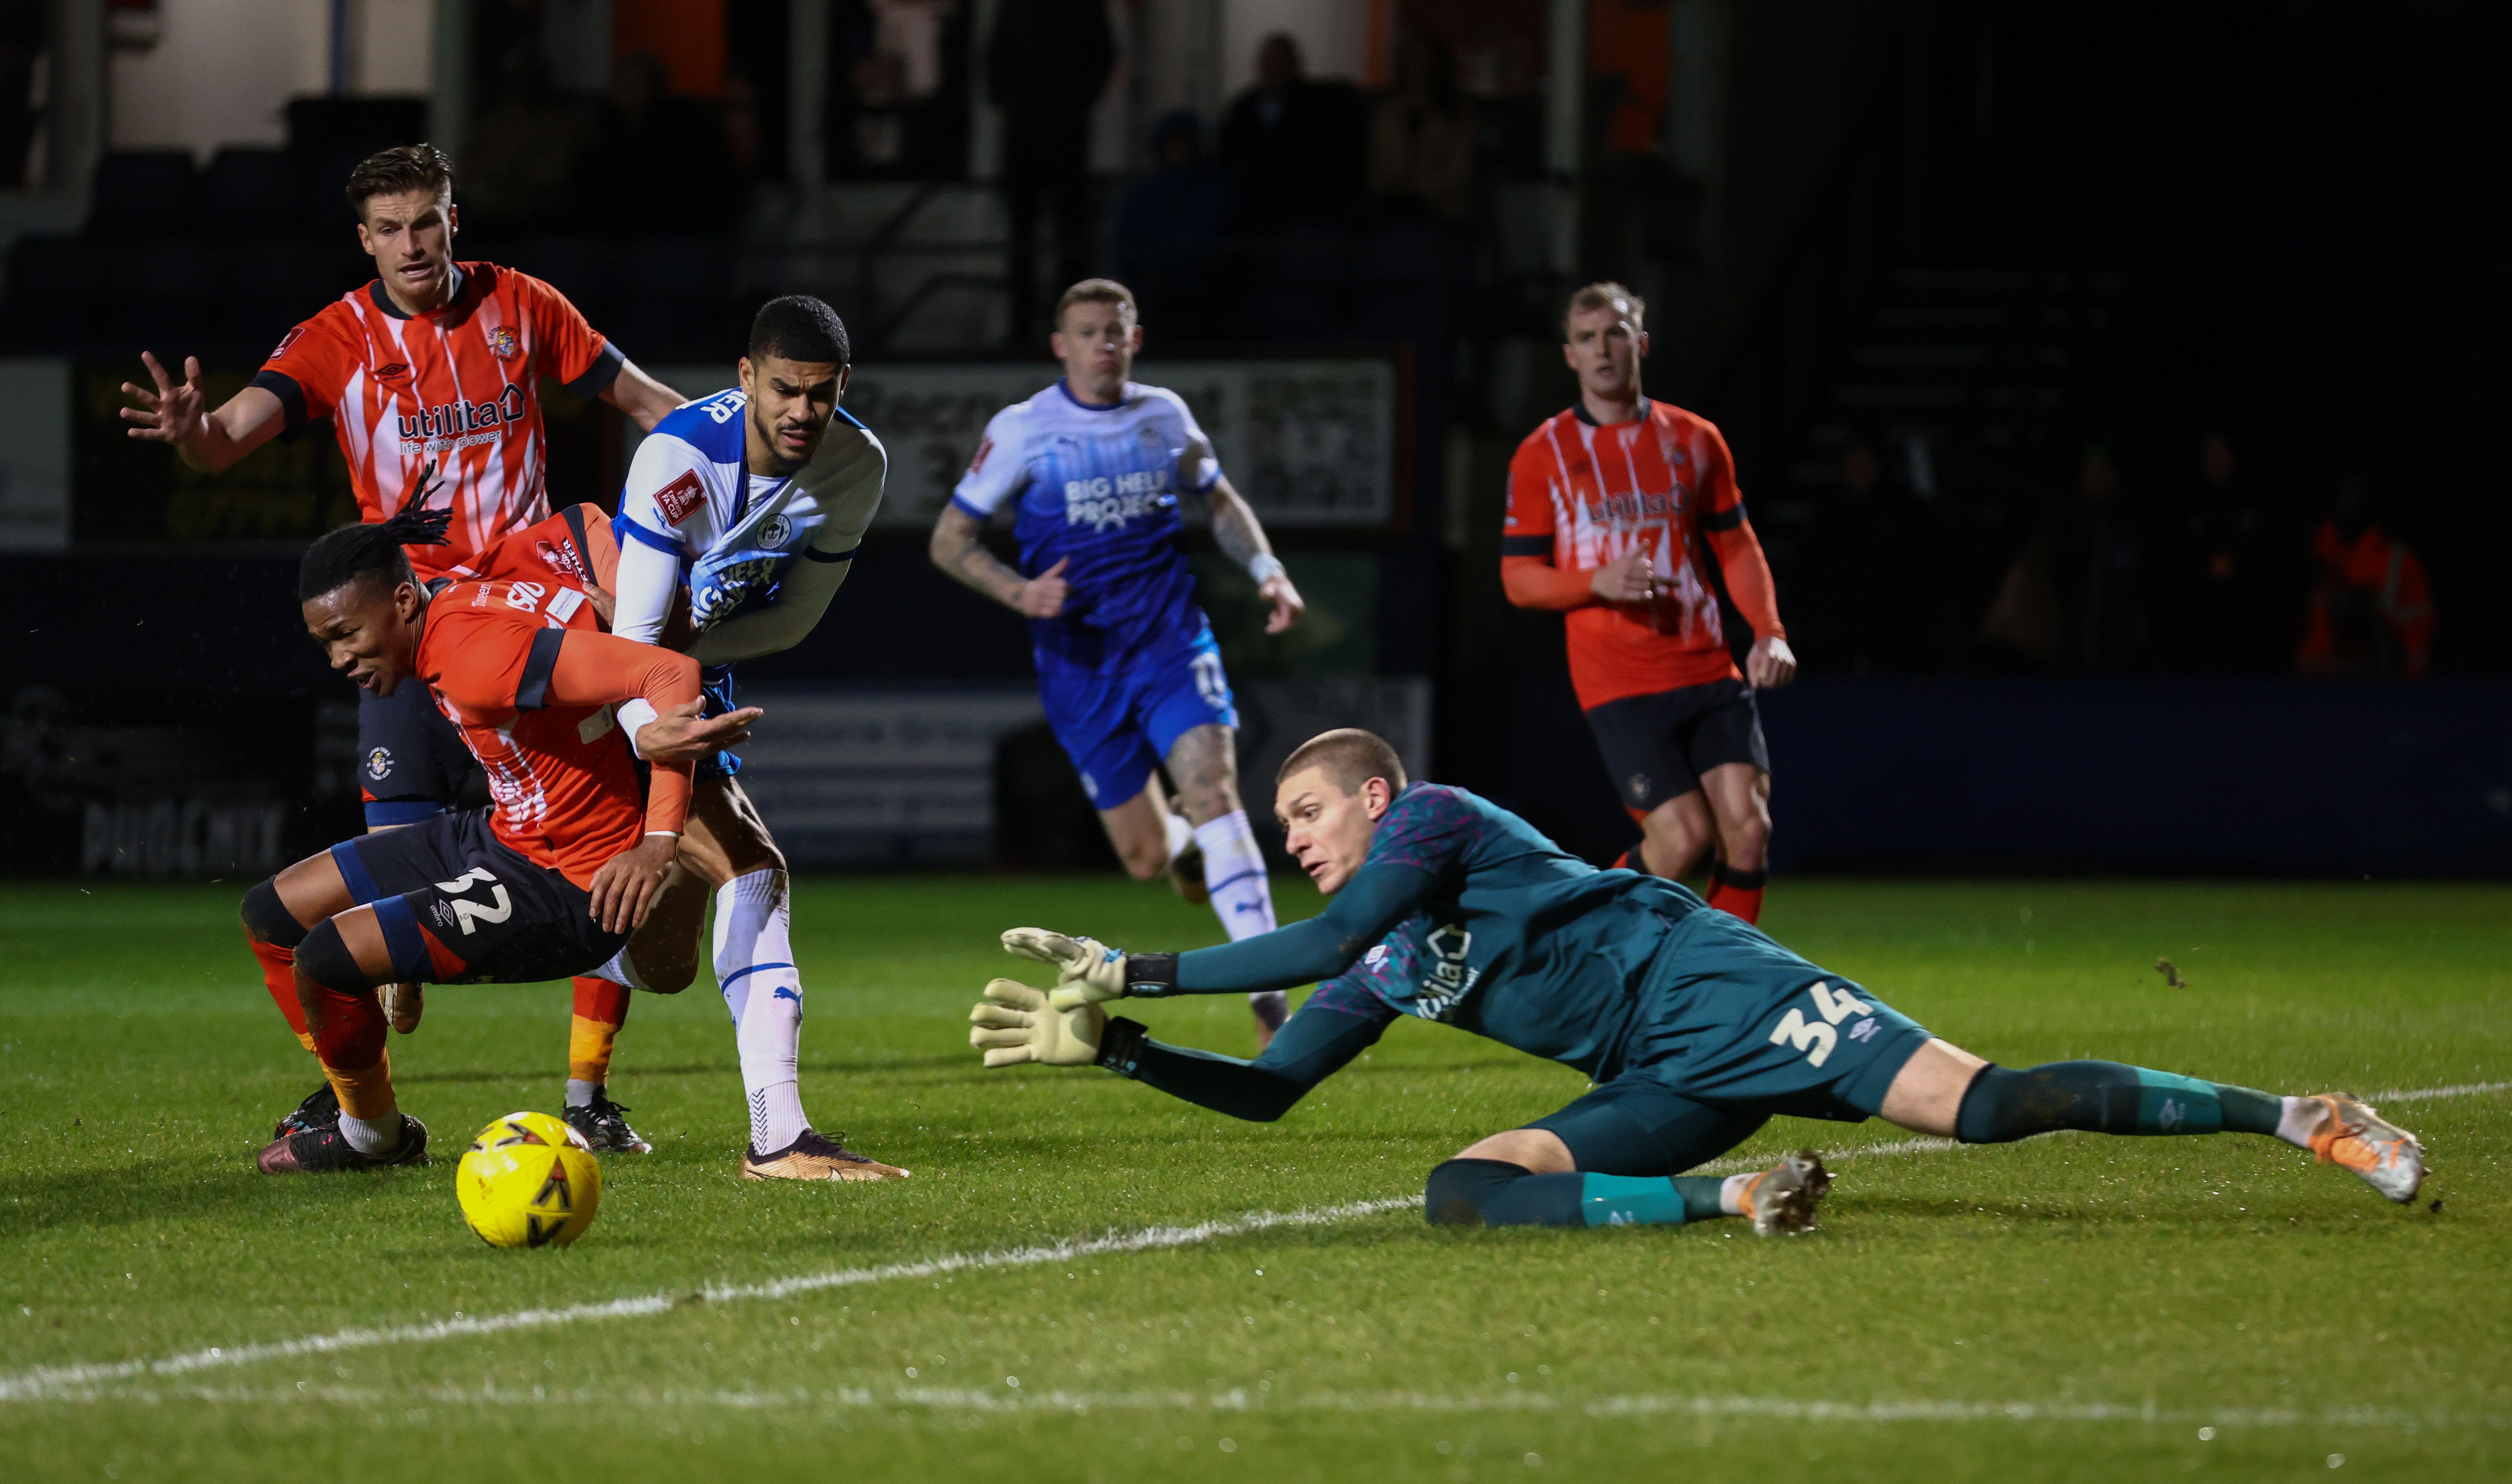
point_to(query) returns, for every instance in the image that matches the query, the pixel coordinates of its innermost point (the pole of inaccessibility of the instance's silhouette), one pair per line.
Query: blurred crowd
(2190, 570)
(1301, 177)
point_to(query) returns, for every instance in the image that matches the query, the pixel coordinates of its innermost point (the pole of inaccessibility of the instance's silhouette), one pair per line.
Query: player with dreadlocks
(547, 882)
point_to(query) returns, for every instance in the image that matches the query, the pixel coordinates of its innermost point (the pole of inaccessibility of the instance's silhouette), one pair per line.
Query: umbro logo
(392, 372)
(1865, 1030)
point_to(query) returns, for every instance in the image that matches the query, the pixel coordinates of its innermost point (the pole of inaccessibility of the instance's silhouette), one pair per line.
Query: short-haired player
(1093, 468)
(748, 507)
(1695, 1028)
(430, 375)
(548, 881)
(1611, 504)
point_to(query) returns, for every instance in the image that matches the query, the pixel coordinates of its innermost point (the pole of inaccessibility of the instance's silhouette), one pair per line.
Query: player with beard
(748, 507)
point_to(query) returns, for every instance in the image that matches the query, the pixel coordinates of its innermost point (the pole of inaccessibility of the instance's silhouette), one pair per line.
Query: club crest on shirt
(503, 342)
(776, 531)
(681, 497)
(379, 763)
(559, 558)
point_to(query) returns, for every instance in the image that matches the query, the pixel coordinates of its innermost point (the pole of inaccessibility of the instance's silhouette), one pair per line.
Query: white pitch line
(36, 1383)
(2454, 1090)
(43, 1382)
(1241, 1401)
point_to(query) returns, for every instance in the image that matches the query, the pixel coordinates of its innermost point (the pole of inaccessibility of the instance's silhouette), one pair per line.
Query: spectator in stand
(2221, 570)
(2372, 612)
(2074, 598)
(1046, 64)
(1422, 134)
(660, 155)
(1169, 230)
(520, 164)
(1295, 151)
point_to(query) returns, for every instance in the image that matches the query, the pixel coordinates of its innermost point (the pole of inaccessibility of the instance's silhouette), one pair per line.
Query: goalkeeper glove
(1016, 1024)
(1087, 970)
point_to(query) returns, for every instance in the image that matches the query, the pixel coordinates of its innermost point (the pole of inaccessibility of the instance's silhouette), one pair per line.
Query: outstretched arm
(1362, 914)
(1016, 1024)
(206, 440)
(1312, 1045)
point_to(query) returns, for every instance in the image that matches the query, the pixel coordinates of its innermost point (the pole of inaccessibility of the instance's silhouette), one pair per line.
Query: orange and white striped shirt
(449, 400)
(1582, 495)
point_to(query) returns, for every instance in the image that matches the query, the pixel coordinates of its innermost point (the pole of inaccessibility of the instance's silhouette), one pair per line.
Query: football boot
(604, 1128)
(1781, 1200)
(322, 1151)
(320, 1109)
(2350, 1133)
(815, 1157)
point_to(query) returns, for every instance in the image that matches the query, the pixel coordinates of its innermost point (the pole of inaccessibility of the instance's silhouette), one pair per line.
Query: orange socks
(278, 977)
(1739, 892)
(601, 1008)
(366, 1093)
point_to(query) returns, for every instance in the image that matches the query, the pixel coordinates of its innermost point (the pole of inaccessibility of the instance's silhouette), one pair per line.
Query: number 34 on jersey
(1817, 1037)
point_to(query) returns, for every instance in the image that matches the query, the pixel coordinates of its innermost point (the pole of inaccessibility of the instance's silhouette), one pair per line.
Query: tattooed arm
(1235, 529)
(956, 550)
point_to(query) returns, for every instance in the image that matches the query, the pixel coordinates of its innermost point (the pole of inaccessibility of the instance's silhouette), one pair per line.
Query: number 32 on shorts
(1817, 1037)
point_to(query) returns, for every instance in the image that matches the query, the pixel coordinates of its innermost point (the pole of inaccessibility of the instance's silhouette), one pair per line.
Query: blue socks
(2004, 1105)
(1493, 1192)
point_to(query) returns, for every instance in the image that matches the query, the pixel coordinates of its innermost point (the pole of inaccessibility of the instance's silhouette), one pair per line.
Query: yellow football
(528, 1180)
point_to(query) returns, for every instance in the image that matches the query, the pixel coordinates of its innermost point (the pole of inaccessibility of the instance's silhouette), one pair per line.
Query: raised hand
(170, 413)
(1016, 1024)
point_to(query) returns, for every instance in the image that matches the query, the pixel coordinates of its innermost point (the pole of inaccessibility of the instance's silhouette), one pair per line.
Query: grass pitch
(2069, 1309)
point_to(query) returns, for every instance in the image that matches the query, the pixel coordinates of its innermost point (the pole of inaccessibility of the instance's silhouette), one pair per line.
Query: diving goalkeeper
(1695, 1028)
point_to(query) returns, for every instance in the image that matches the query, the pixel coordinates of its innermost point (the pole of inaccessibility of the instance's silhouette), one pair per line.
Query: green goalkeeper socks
(1643, 1201)
(2108, 1098)
(1493, 1192)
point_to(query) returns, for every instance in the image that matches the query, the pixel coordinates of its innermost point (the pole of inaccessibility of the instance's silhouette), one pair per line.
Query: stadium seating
(142, 194)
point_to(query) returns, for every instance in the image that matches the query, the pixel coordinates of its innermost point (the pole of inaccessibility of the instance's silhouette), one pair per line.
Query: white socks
(1731, 1191)
(754, 965)
(2294, 1125)
(619, 971)
(378, 1136)
(1233, 872)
